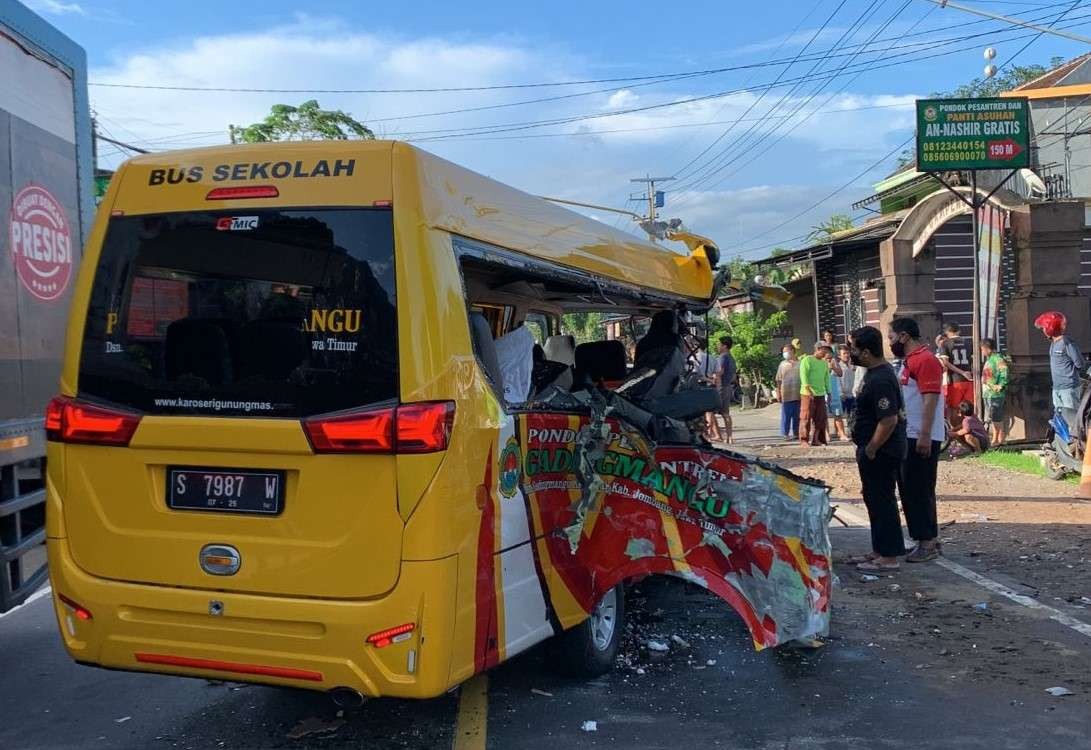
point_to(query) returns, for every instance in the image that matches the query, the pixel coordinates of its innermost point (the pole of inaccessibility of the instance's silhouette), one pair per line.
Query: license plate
(226, 490)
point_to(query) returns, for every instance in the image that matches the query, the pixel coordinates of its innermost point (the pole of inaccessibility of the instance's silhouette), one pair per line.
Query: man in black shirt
(878, 430)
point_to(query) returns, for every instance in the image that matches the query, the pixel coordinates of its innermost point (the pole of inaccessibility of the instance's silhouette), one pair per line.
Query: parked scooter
(1065, 444)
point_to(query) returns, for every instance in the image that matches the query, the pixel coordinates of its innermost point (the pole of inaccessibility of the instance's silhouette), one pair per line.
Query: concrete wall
(1050, 119)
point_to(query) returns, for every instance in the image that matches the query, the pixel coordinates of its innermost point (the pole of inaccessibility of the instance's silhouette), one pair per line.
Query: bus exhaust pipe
(346, 697)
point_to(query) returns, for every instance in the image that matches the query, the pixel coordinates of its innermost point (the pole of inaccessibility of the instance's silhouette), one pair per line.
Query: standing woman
(836, 407)
(850, 373)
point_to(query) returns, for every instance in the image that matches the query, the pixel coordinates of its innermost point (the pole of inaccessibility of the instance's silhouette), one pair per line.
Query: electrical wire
(797, 123)
(719, 162)
(868, 169)
(490, 87)
(453, 133)
(681, 173)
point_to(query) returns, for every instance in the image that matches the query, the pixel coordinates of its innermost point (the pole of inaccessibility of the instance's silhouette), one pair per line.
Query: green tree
(307, 122)
(1004, 80)
(740, 268)
(585, 326)
(831, 226)
(752, 334)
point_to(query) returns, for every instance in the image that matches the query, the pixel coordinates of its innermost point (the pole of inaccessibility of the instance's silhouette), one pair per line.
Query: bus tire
(589, 649)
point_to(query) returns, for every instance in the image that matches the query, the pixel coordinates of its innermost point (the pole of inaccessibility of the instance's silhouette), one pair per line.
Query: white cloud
(56, 7)
(594, 168)
(623, 99)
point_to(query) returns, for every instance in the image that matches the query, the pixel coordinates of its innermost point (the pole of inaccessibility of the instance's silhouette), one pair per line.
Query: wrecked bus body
(609, 505)
(325, 429)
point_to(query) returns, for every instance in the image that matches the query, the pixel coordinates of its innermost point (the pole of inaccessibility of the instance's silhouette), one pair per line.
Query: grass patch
(1017, 462)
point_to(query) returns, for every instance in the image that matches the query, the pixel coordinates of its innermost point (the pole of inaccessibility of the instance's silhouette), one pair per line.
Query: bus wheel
(590, 648)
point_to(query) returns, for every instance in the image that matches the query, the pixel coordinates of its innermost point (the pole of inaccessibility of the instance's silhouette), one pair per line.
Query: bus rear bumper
(304, 643)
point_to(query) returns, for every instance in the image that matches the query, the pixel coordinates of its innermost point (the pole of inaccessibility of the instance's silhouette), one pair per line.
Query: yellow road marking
(473, 714)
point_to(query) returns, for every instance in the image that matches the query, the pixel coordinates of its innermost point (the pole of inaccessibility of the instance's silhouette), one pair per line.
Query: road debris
(1059, 692)
(590, 726)
(867, 578)
(654, 645)
(682, 642)
(312, 726)
(122, 720)
(536, 691)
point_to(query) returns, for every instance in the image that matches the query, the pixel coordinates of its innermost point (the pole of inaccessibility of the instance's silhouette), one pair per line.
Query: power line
(490, 87)
(750, 79)
(897, 148)
(847, 185)
(681, 172)
(449, 133)
(592, 133)
(822, 57)
(764, 136)
(710, 168)
(959, 41)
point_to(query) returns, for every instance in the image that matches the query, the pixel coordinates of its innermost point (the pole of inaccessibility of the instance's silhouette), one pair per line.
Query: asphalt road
(887, 678)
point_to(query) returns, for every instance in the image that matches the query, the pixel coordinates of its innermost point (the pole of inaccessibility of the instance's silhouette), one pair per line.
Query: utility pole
(1012, 21)
(653, 203)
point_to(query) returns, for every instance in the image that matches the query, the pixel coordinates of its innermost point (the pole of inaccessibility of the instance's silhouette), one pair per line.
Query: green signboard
(965, 134)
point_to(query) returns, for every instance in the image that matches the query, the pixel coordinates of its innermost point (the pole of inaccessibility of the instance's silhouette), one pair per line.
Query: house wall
(849, 290)
(1050, 117)
(953, 247)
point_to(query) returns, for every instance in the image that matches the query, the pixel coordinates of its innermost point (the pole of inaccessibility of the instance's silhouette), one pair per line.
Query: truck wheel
(589, 649)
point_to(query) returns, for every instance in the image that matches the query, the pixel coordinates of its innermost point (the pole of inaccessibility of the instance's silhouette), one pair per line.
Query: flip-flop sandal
(857, 559)
(873, 567)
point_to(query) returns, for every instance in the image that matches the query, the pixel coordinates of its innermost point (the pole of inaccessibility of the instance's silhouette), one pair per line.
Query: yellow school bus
(294, 443)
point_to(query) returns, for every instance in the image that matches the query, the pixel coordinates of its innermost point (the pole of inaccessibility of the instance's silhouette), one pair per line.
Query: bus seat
(561, 348)
(197, 347)
(598, 361)
(548, 373)
(485, 348)
(271, 349)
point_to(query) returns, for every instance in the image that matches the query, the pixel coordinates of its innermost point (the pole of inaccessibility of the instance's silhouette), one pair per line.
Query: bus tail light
(384, 638)
(70, 421)
(240, 193)
(423, 427)
(358, 432)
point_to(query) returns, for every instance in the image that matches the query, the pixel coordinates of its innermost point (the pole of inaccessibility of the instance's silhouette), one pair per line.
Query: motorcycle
(1065, 444)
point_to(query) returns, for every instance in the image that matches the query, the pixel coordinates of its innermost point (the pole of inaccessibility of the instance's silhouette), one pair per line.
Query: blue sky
(752, 146)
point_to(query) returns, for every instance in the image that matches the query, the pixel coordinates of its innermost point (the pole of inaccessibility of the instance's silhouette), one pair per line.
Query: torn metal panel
(609, 505)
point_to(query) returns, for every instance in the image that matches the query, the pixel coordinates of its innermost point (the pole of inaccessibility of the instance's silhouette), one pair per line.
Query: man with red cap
(1066, 364)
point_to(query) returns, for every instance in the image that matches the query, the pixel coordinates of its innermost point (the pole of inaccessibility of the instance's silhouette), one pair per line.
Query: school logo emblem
(510, 468)
(884, 403)
(930, 114)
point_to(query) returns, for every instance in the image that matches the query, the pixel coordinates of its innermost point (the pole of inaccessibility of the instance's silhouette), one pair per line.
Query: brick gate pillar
(1047, 238)
(909, 285)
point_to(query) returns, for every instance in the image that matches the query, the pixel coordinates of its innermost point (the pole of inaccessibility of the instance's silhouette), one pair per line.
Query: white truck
(45, 206)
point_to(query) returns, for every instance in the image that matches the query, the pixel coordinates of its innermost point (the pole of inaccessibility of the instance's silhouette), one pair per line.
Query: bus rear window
(279, 313)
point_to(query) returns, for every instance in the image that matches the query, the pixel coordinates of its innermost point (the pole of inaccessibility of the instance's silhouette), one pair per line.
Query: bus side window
(499, 317)
(539, 325)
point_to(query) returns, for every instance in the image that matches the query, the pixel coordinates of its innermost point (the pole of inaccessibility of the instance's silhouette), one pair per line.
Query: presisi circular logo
(41, 243)
(510, 468)
(930, 114)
